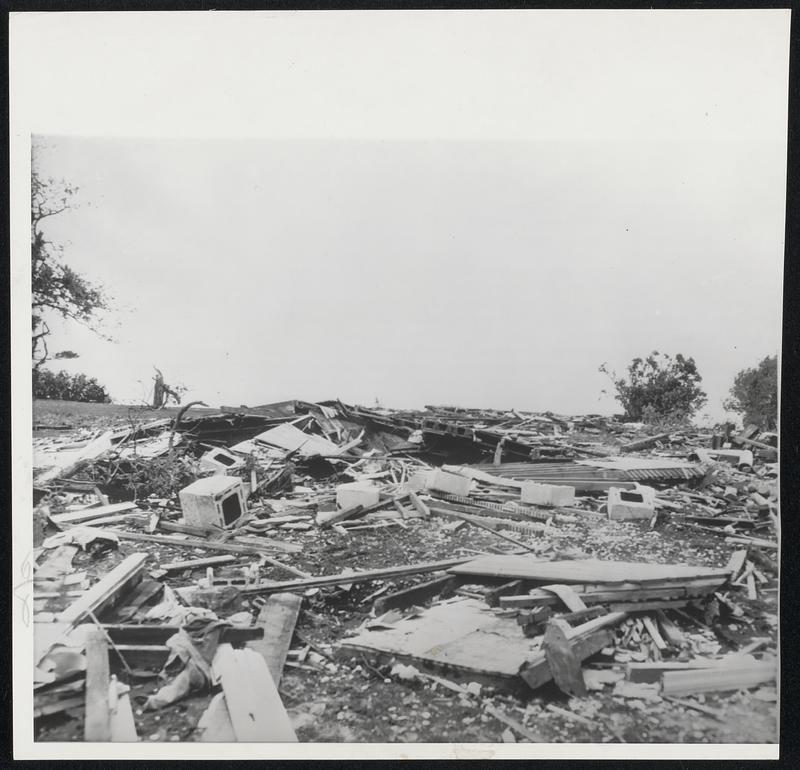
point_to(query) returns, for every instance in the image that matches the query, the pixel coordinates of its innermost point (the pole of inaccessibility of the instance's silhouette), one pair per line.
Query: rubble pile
(302, 571)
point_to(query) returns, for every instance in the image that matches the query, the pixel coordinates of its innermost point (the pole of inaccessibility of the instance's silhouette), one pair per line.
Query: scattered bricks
(449, 483)
(220, 461)
(357, 493)
(216, 501)
(547, 494)
(636, 503)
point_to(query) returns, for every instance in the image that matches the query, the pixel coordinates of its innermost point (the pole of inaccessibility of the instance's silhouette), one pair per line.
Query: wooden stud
(97, 726)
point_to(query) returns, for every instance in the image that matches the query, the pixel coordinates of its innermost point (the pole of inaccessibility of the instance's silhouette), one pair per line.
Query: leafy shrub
(754, 394)
(68, 387)
(659, 388)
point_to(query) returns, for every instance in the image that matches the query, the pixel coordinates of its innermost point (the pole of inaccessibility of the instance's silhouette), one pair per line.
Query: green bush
(68, 387)
(659, 387)
(754, 394)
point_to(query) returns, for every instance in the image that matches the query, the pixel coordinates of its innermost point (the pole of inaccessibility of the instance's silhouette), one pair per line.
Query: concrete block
(547, 494)
(449, 483)
(216, 501)
(636, 503)
(220, 461)
(356, 493)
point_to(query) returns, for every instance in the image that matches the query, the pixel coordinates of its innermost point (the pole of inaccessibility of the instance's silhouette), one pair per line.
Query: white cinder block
(449, 483)
(216, 500)
(357, 493)
(547, 494)
(220, 461)
(636, 503)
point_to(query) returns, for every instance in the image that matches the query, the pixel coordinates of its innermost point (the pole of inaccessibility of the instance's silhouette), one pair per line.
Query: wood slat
(97, 726)
(277, 620)
(106, 591)
(256, 711)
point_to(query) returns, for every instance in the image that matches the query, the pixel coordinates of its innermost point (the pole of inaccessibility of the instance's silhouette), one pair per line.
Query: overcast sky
(467, 209)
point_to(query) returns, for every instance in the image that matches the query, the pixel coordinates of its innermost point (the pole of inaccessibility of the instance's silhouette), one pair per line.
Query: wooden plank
(142, 634)
(417, 594)
(256, 711)
(451, 638)
(419, 505)
(322, 581)
(214, 725)
(571, 600)
(57, 706)
(644, 443)
(536, 671)
(474, 520)
(582, 570)
(208, 545)
(564, 665)
(143, 593)
(492, 595)
(107, 590)
(622, 593)
(652, 629)
(328, 518)
(211, 561)
(753, 541)
(144, 656)
(718, 678)
(736, 562)
(87, 514)
(652, 672)
(98, 677)
(670, 631)
(121, 722)
(277, 619)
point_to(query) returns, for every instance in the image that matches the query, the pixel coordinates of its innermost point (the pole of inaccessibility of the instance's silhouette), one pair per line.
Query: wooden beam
(139, 634)
(419, 505)
(146, 656)
(107, 591)
(122, 724)
(211, 561)
(277, 620)
(655, 635)
(87, 514)
(644, 443)
(475, 523)
(209, 545)
(256, 711)
(328, 518)
(215, 725)
(97, 726)
(417, 594)
(323, 581)
(669, 630)
(718, 678)
(492, 595)
(736, 562)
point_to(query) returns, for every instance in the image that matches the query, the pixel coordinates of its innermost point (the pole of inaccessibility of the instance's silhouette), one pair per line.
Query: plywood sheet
(462, 636)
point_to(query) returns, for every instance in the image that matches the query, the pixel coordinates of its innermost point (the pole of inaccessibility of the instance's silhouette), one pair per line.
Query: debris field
(332, 573)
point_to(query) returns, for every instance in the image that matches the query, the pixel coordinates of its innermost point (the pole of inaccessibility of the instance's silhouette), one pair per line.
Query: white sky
(465, 208)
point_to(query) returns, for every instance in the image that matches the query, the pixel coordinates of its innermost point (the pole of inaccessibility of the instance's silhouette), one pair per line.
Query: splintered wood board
(107, 590)
(580, 570)
(254, 706)
(461, 638)
(278, 618)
